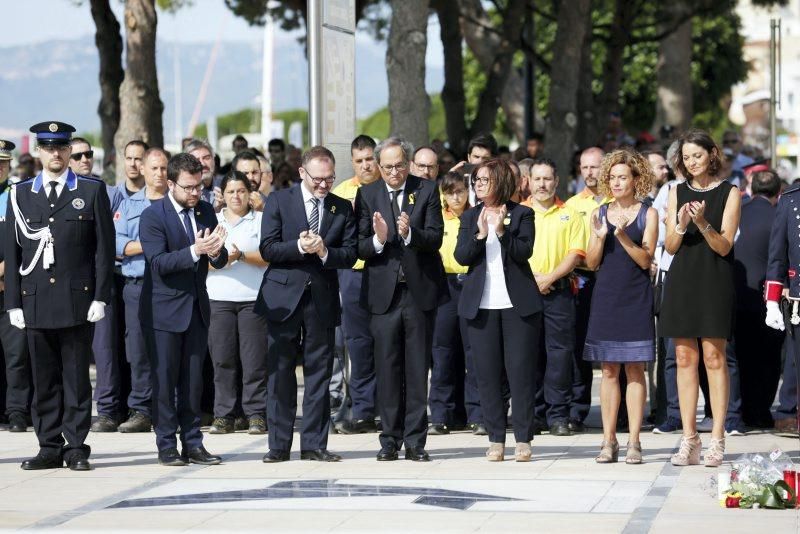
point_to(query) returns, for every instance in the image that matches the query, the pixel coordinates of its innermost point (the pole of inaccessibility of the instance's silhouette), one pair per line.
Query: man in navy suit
(400, 231)
(179, 237)
(307, 233)
(757, 347)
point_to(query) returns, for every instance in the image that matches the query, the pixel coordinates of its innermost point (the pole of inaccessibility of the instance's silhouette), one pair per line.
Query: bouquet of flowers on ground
(760, 481)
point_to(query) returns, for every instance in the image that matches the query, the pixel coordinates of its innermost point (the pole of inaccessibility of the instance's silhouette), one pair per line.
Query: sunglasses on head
(78, 155)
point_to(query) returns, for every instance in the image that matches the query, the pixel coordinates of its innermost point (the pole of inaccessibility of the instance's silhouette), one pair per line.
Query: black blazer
(83, 240)
(516, 245)
(172, 280)
(751, 251)
(422, 264)
(290, 271)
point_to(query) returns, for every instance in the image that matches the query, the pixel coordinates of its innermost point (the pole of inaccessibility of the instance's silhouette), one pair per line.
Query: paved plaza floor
(562, 490)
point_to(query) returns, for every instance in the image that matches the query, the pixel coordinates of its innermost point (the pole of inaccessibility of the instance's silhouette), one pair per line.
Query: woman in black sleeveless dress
(702, 220)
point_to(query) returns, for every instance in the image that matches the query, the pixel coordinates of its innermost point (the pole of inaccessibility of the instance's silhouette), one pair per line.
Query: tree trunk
(621, 32)
(483, 44)
(562, 119)
(109, 47)
(140, 103)
(674, 76)
(513, 22)
(453, 98)
(587, 134)
(409, 104)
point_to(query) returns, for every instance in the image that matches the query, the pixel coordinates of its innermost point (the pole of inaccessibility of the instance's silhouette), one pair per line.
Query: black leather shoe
(358, 426)
(79, 463)
(137, 422)
(438, 429)
(275, 456)
(417, 454)
(17, 423)
(199, 455)
(320, 455)
(560, 428)
(576, 427)
(104, 424)
(387, 453)
(478, 429)
(41, 461)
(170, 457)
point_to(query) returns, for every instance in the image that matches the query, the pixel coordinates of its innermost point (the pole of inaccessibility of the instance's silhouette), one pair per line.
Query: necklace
(702, 189)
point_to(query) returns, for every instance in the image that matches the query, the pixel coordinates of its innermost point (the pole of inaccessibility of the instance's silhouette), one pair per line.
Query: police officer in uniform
(783, 269)
(59, 274)
(15, 390)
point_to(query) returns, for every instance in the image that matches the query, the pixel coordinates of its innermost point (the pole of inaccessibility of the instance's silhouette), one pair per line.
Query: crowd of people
(423, 295)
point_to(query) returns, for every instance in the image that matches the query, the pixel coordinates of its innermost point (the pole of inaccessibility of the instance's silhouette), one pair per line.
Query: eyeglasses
(483, 180)
(389, 168)
(78, 155)
(328, 180)
(426, 167)
(189, 189)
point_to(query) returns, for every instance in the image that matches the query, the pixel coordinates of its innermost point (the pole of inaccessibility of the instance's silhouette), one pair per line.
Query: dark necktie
(401, 276)
(187, 225)
(313, 218)
(395, 208)
(53, 196)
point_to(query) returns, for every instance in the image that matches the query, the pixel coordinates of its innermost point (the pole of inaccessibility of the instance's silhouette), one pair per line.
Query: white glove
(16, 318)
(97, 310)
(774, 316)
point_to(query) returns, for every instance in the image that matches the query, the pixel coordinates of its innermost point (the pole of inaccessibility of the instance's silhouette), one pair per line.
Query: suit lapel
(327, 217)
(302, 222)
(66, 195)
(410, 191)
(385, 209)
(173, 222)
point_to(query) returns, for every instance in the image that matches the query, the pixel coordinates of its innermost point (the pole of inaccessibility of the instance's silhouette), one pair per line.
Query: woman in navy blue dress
(621, 325)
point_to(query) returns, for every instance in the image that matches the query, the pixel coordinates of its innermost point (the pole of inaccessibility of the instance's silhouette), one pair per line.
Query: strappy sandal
(688, 452)
(633, 453)
(715, 453)
(609, 453)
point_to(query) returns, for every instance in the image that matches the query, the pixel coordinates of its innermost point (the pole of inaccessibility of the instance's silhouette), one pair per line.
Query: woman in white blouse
(237, 337)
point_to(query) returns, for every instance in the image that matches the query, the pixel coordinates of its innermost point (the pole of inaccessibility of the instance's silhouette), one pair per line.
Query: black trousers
(502, 341)
(403, 338)
(582, 370)
(318, 347)
(108, 347)
(62, 392)
(556, 365)
(355, 325)
(758, 353)
(17, 377)
(176, 360)
(237, 341)
(141, 394)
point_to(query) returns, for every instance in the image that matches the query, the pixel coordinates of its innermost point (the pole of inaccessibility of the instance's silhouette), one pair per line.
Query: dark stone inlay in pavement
(314, 489)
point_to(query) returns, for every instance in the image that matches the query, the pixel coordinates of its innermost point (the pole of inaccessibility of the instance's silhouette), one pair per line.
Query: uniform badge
(78, 203)
(565, 218)
(507, 221)
(53, 127)
(2, 144)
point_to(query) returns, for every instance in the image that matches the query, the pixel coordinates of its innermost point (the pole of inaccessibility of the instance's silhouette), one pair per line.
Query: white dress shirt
(495, 293)
(62, 181)
(401, 193)
(180, 209)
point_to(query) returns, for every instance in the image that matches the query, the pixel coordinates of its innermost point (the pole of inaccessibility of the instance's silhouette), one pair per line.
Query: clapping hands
(599, 226)
(312, 243)
(210, 243)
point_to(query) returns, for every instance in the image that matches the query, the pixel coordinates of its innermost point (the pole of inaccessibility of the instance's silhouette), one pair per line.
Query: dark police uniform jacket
(83, 240)
(783, 265)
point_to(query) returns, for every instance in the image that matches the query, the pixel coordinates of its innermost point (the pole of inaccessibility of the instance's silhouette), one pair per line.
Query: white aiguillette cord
(795, 320)
(42, 235)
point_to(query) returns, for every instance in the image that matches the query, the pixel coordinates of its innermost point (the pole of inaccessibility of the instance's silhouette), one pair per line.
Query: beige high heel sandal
(609, 453)
(688, 452)
(633, 453)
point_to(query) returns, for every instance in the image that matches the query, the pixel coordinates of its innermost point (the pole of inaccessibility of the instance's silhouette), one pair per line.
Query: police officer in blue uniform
(783, 271)
(59, 272)
(129, 248)
(15, 382)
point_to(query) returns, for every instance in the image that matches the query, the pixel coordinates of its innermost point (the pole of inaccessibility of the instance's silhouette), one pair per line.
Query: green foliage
(249, 120)
(377, 125)
(171, 6)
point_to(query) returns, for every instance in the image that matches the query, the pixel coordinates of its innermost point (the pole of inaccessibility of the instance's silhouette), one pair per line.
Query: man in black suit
(307, 233)
(180, 237)
(757, 347)
(59, 273)
(400, 229)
